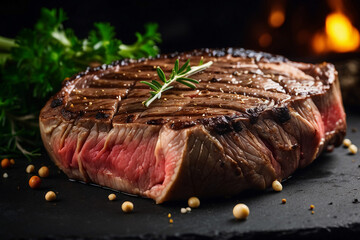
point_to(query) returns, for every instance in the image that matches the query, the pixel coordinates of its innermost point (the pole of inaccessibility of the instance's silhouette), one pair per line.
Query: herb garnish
(177, 75)
(33, 66)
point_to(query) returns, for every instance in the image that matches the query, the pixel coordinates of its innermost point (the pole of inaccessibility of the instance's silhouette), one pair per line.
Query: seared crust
(241, 84)
(253, 118)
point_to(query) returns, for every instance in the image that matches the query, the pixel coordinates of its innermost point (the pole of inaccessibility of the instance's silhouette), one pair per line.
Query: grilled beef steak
(253, 118)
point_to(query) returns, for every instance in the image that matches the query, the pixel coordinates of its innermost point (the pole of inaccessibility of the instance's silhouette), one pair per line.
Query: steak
(253, 118)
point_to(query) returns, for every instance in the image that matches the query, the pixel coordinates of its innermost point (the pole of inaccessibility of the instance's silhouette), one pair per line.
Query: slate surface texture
(331, 184)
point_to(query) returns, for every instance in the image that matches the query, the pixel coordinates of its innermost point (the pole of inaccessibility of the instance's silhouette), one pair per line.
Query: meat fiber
(253, 118)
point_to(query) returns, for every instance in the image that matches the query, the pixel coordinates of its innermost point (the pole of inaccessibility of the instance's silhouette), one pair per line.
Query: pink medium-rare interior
(125, 153)
(332, 116)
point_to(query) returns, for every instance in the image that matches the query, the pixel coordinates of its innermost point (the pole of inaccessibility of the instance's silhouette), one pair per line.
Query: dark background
(186, 25)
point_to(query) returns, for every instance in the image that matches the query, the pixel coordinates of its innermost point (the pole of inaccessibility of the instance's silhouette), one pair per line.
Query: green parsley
(33, 66)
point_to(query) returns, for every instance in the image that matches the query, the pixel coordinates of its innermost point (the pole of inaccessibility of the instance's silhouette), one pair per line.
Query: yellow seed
(71, 105)
(312, 212)
(353, 149)
(194, 202)
(112, 197)
(43, 172)
(127, 206)
(346, 142)
(276, 185)
(169, 215)
(171, 221)
(84, 98)
(283, 201)
(30, 168)
(241, 211)
(312, 207)
(12, 161)
(50, 196)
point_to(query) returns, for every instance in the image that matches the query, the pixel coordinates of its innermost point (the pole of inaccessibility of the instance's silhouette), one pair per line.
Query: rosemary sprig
(177, 75)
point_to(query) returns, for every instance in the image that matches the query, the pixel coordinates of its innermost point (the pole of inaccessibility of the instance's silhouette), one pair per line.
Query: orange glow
(339, 35)
(276, 18)
(319, 42)
(265, 40)
(342, 35)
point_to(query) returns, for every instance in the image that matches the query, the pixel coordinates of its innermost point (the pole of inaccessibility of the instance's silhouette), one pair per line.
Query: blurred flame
(265, 40)
(342, 35)
(339, 35)
(276, 17)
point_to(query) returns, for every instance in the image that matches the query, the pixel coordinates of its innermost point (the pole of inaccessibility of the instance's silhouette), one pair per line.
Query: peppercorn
(43, 172)
(127, 206)
(353, 149)
(241, 211)
(346, 142)
(276, 185)
(194, 202)
(5, 163)
(112, 197)
(50, 196)
(34, 182)
(30, 168)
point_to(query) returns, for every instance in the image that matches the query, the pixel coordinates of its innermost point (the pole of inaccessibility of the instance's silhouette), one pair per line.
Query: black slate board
(331, 183)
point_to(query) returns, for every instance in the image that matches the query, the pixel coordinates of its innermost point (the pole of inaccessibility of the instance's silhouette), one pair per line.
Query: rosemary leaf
(177, 75)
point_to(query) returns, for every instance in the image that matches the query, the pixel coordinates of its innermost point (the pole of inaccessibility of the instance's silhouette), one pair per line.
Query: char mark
(181, 125)
(68, 115)
(214, 80)
(56, 102)
(155, 121)
(254, 114)
(101, 115)
(130, 118)
(282, 114)
(221, 125)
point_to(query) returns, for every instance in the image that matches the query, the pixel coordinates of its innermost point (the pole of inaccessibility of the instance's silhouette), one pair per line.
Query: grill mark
(218, 91)
(108, 87)
(103, 97)
(89, 111)
(158, 115)
(221, 64)
(119, 100)
(173, 104)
